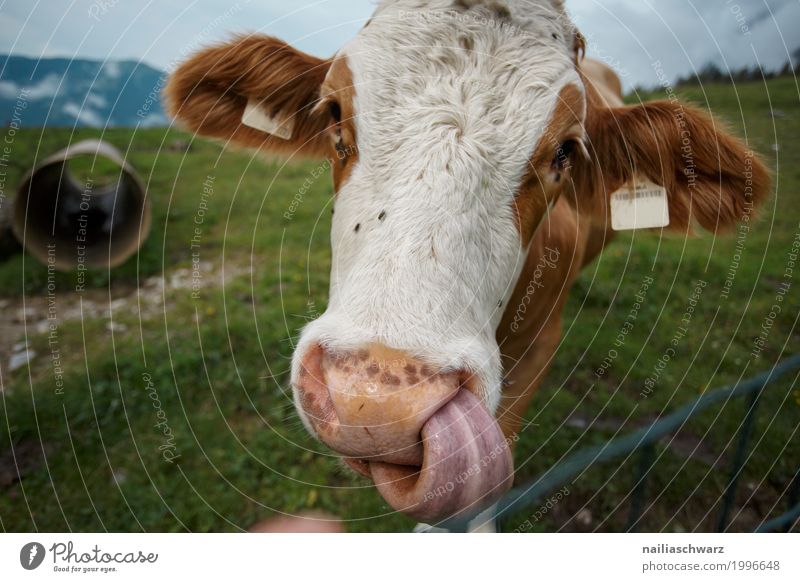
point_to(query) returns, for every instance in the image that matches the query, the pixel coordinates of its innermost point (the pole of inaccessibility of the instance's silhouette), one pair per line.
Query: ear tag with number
(639, 204)
(256, 117)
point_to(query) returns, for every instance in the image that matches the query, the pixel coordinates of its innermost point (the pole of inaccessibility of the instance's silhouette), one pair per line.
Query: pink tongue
(466, 467)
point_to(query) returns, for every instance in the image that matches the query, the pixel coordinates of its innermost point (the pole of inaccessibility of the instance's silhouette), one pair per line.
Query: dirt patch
(25, 457)
(25, 318)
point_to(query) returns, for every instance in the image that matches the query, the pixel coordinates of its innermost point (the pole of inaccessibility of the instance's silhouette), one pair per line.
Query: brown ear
(209, 93)
(710, 176)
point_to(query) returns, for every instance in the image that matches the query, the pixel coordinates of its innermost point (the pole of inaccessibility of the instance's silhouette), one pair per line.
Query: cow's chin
(466, 465)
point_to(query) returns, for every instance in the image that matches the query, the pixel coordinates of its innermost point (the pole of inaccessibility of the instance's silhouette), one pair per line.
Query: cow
(476, 155)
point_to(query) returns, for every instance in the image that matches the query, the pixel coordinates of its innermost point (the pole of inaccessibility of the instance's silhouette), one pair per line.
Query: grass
(212, 369)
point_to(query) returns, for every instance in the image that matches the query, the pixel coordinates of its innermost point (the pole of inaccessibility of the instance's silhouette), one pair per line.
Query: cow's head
(453, 126)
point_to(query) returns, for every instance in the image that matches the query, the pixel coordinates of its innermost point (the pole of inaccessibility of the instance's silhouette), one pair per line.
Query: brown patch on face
(544, 181)
(320, 409)
(393, 380)
(315, 400)
(339, 88)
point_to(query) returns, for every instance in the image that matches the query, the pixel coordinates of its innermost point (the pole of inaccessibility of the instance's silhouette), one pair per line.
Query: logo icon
(31, 555)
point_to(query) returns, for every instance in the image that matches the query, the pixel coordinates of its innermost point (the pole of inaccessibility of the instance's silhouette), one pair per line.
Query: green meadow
(163, 404)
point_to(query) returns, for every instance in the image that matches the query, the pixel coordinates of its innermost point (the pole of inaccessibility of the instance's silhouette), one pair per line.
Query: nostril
(312, 389)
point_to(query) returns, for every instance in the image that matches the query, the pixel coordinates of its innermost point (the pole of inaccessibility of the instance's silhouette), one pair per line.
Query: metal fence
(643, 443)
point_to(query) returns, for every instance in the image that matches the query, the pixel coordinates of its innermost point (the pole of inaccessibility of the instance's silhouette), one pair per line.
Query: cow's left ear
(711, 177)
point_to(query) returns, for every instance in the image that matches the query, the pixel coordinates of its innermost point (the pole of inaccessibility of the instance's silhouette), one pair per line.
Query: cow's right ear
(256, 91)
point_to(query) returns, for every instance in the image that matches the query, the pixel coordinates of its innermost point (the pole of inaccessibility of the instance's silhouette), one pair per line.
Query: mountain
(79, 92)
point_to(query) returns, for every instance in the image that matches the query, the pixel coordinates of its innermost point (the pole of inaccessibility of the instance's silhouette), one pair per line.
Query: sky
(639, 38)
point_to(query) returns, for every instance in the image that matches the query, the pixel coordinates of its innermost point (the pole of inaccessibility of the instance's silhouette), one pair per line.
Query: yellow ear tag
(256, 117)
(639, 204)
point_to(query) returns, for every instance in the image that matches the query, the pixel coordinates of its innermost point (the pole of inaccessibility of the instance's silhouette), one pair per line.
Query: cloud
(46, 88)
(684, 35)
(83, 115)
(159, 32)
(9, 90)
(154, 120)
(97, 100)
(112, 70)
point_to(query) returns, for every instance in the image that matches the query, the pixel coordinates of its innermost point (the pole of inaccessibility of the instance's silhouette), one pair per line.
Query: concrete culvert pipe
(77, 224)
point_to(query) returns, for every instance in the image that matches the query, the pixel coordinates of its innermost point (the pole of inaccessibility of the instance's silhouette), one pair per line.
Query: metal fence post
(646, 460)
(794, 501)
(745, 433)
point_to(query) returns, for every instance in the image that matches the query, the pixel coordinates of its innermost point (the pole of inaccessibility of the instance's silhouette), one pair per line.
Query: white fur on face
(449, 108)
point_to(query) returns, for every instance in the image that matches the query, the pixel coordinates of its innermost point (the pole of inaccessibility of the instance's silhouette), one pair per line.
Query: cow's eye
(564, 154)
(335, 111)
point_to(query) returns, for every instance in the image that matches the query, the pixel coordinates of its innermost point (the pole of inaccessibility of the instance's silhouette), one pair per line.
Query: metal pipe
(76, 226)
